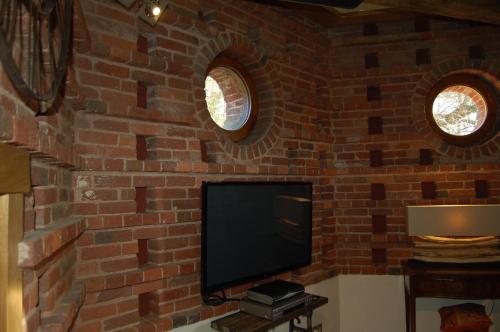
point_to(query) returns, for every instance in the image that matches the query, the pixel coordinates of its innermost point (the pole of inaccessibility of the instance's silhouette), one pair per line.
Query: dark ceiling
(331, 13)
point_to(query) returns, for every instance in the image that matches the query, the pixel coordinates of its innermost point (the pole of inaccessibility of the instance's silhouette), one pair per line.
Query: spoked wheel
(34, 46)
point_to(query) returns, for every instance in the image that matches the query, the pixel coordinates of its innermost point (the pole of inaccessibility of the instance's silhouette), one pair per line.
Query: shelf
(243, 322)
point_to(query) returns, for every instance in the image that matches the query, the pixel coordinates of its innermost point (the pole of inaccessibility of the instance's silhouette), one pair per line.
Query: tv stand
(243, 322)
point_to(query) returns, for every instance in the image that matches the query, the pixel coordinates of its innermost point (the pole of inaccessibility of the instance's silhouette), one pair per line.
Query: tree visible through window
(230, 97)
(227, 97)
(459, 110)
(215, 101)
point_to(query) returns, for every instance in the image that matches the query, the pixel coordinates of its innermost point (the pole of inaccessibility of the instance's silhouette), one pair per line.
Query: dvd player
(279, 309)
(274, 291)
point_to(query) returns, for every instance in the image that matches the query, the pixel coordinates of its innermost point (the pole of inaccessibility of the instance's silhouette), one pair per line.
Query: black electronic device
(277, 310)
(252, 230)
(274, 291)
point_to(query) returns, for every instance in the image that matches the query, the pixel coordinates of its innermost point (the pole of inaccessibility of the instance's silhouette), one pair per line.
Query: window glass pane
(459, 110)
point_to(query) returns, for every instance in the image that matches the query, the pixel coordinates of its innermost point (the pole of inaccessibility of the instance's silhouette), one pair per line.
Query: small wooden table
(243, 322)
(472, 281)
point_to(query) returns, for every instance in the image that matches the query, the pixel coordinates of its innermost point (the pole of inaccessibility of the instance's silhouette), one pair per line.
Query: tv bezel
(208, 290)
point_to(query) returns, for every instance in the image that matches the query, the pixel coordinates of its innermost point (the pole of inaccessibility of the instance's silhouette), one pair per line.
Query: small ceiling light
(156, 10)
(151, 10)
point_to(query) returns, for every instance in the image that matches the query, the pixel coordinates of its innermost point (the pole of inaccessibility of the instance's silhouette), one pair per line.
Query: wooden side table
(243, 322)
(472, 281)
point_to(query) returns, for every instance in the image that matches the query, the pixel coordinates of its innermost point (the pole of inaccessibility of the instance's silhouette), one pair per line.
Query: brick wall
(113, 223)
(386, 157)
(145, 143)
(52, 294)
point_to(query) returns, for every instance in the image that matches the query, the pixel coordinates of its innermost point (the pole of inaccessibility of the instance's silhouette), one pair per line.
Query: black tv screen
(252, 230)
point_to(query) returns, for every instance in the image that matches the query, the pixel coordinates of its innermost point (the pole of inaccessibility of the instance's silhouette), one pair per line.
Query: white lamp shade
(453, 220)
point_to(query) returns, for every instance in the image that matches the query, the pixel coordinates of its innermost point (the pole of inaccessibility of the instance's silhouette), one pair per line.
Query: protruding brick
(370, 29)
(141, 147)
(426, 157)
(379, 256)
(373, 93)
(375, 125)
(140, 199)
(145, 303)
(376, 158)
(379, 224)
(371, 60)
(428, 190)
(142, 253)
(142, 44)
(481, 188)
(377, 191)
(422, 56)
(142, 95)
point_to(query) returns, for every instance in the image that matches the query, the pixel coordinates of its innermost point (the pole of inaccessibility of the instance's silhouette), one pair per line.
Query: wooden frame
(490, 96)
(14, 170)
(11, 276)
(223, 60)
(14, 181)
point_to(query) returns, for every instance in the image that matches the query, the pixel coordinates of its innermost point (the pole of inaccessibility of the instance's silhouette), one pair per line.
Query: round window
(459, 110)
(462, 109)
(230, 97)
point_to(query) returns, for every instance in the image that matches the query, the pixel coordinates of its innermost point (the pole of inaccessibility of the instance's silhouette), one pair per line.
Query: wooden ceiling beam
(486, 11)
(319, 14)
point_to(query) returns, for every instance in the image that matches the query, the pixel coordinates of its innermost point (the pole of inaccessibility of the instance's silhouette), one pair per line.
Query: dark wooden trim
(222, 60)
(469, 281)
(486, 11)
(490, 96)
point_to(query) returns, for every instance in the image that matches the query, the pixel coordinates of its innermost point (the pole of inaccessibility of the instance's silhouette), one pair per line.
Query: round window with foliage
(462, 109)
(230, 97)
(459, 110)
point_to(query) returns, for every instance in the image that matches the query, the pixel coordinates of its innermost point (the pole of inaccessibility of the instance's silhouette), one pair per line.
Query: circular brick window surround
(245, 77)
(461, 108)
(231, 98)
(455, 109)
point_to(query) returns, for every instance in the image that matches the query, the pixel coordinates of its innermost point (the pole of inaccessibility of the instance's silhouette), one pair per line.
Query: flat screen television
(252, 230)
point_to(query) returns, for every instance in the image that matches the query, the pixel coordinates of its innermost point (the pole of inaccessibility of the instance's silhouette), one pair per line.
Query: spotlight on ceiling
(151, 10)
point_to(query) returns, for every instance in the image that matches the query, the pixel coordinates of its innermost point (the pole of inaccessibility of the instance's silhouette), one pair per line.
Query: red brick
(148, 286)
(180, 181)
(45, 195)
(149, 181)
(185, 229)
(150, 232)
(140, 199)
(112, 70)
(101, 251)
(98, 312)
(113, 125)
(120, 321)
(117, 207)
(187, 254)
(112, 181)
(97, 137)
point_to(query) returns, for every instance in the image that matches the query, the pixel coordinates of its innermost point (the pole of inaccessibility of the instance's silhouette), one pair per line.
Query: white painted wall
(369, 303)
(328, 314)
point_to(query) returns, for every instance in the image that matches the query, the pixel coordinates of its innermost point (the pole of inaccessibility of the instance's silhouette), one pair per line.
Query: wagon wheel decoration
(34, 46)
